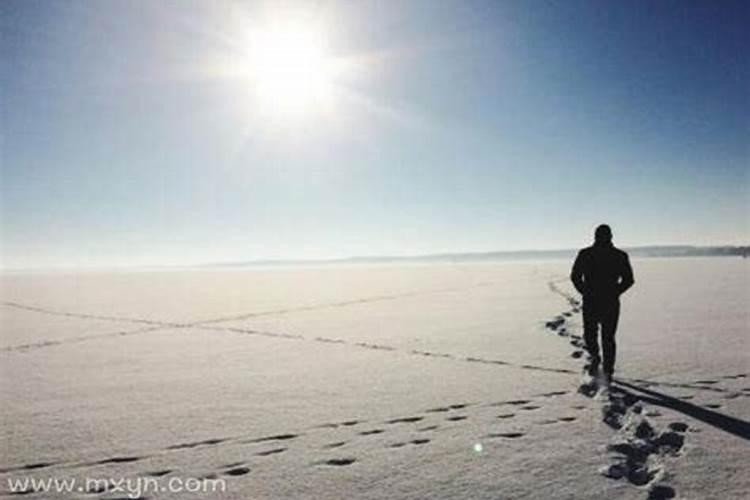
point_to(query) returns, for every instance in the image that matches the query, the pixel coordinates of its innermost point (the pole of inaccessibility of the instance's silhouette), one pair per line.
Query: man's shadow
(732, 425)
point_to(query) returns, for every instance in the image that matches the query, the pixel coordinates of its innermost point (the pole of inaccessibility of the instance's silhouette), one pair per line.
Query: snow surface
(410, 381)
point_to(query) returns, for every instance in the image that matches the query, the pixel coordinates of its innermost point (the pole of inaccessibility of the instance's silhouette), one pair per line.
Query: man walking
(601, 273)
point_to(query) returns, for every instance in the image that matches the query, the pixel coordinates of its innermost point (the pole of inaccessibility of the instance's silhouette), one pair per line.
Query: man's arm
(576, 274)
(626, 277)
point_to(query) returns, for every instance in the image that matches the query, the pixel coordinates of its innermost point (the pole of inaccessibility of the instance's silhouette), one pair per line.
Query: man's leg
(610, 315)
(590, 336)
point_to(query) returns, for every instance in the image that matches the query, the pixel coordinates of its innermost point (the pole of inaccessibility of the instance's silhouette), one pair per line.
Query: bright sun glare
(293, 72)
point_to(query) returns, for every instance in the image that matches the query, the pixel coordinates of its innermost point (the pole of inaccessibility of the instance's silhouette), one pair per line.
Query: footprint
(554, 393)
(273, 451)
(653, 413)
(670, 442)
(546, 422)
(335, 425)
(195, 444)
(660, 492)
(644, 430)
(277, 437)
(329, 340)
(428, 428)
(404, 420)
(613, 414)
(713, 406)
(632, 463)
(334, 445)
(517, 402)
(117, 460)
(707, 382)
(37, 465)
(567, 419)
(416, 442)
(506, 415)
(555, 323)
(158, 473)
(340, 462)
(678, 426)
(237, 471)
(441, 409)
(687, 398)
(33, 466)
(375, 346)
(508, 435)
(213, 441)
(371, 432)
(530, 407)
(456, 418)
(635, 472)
(428, 353)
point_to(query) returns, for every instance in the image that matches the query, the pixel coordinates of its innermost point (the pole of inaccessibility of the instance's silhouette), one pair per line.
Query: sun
(292, 70)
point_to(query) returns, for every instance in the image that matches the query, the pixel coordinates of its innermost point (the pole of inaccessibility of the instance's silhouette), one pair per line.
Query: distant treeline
(645, 251)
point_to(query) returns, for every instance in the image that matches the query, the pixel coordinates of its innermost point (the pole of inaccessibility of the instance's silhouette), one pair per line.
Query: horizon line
(663, 250)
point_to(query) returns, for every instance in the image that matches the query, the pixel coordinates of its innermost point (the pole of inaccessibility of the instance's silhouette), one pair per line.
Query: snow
(389, 381)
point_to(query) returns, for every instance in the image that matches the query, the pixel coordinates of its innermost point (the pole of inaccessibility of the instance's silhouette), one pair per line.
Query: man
(601, 273)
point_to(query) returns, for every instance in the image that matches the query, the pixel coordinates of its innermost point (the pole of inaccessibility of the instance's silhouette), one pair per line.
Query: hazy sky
(132, 135)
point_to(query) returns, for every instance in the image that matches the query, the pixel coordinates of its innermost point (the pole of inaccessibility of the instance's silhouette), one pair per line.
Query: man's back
(602, 272)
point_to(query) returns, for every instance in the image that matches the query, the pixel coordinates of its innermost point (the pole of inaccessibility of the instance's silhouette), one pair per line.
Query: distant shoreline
(641, 251)
(654, 251)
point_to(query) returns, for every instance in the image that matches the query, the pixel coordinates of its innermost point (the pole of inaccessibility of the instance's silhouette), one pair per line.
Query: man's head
(603, 235)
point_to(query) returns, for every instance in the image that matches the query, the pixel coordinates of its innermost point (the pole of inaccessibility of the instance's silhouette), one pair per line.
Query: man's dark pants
(604, 314)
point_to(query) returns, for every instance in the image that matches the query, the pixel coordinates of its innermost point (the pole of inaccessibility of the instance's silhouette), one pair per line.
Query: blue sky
(463, 126)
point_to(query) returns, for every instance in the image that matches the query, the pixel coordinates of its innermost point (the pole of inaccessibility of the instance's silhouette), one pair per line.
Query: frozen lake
(418, 381)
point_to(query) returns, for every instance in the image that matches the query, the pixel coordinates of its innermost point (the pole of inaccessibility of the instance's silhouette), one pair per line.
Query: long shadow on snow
(732, 425)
